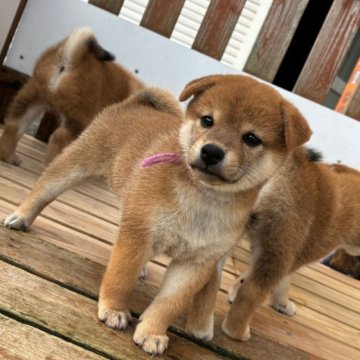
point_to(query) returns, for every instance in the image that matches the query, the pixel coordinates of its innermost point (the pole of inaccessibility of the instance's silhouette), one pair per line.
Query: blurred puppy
(304, 212)
(191, 196)
(75, 79)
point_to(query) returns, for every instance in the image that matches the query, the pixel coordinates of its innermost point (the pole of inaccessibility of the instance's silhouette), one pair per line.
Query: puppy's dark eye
(207, 121)
(251, 139)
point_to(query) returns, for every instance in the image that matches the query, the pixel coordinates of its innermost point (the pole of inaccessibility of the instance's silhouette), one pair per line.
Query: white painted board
(162, 63)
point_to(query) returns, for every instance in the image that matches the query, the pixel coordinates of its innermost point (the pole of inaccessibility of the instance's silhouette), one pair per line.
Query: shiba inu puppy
(306, 210)
(75, 79)
(187, 185)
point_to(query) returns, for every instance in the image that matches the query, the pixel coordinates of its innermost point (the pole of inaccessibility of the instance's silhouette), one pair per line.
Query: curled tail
(80, 42)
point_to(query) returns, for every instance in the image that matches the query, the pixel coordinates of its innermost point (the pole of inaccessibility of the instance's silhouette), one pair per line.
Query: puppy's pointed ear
(297, 130)
(199, 85)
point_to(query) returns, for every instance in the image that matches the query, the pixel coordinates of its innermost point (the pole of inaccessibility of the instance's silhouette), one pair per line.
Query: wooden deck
(48, 294)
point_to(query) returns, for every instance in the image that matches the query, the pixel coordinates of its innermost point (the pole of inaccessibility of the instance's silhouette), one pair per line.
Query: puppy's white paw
(16, 222)
(118, 320)
(245, 336)
(151, 343)
(202, 331)
(286, 307)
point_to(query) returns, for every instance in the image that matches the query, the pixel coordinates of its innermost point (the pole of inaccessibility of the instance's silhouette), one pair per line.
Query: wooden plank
(23, 342)
(82, 275)
(112, 6)
(217, 26)
(54, 233)
(274, 38)
(73, 316)
(64, 214)
(14, 175)
(12, 30)
(354, 107)
(161, 16)
(329, 50)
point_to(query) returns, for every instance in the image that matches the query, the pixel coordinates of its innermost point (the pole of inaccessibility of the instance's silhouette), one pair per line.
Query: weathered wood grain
(59, 265)
(73, 316)
(217, 26)
(113, 6)
(23, 342)
(161, 16)
(354, 107)
(274, 38)
(329, 50)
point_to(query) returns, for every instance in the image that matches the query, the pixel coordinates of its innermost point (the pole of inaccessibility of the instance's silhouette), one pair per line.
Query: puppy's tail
(160, 100)
(81, 42)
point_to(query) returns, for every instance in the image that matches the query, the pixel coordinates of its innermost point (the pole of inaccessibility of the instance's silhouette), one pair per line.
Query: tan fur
(75, 79)
(193, 215)
(305, 211)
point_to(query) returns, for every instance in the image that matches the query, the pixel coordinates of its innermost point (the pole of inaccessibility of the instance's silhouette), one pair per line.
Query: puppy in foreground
(187, 185)
(306, 210)
(75, 79)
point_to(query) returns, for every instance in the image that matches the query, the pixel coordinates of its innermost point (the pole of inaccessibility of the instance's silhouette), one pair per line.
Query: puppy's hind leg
(280, 299)
(24, 109)
(59, 139)
(69, 168)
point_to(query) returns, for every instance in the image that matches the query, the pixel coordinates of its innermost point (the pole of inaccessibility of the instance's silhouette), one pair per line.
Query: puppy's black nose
(211, 154)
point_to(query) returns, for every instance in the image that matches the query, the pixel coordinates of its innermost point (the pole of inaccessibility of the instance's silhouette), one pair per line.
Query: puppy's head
(237, 131)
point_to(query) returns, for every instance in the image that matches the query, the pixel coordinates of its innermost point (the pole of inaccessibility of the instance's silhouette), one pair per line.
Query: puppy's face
(237, 131)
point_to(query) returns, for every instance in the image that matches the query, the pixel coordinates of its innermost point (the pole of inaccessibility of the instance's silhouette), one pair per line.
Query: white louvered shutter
(191, 16)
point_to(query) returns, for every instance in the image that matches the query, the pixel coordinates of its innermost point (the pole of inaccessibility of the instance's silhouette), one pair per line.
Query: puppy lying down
(187, 184)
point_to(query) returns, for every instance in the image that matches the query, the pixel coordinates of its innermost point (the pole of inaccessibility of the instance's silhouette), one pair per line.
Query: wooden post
(329, 50)
(274, 38)
(12, 30)
(217, 26)
(113, 6)
(161, 16)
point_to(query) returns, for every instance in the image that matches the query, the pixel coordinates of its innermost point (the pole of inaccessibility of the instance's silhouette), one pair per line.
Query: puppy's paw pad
(152, 344)
(16, 222)
(285, 307)
(118, 320)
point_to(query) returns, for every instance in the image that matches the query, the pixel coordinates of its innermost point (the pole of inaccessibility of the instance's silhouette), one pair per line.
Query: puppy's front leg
(280, 298)
(182, 281)
(200, 321)
(128, 257)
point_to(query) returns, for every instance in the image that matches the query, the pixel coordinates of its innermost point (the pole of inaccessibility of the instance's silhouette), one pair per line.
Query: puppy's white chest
(196, 230)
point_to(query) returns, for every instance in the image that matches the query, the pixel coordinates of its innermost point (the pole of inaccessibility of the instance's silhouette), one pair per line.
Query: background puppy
(74, 79)
(191, 201)
(305, 211)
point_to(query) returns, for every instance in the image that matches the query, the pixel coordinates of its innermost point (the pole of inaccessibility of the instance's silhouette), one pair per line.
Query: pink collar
(161, 158)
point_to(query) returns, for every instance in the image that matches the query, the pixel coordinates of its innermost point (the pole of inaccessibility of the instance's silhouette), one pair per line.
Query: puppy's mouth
(208, 172)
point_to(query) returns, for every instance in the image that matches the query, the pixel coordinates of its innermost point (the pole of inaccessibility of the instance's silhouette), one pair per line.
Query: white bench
(161, 62)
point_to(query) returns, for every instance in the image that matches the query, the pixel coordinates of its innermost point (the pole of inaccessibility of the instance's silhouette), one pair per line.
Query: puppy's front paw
(16, 222)
(118, 320)
(286, 307)
(236, 334)
(154, 344)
